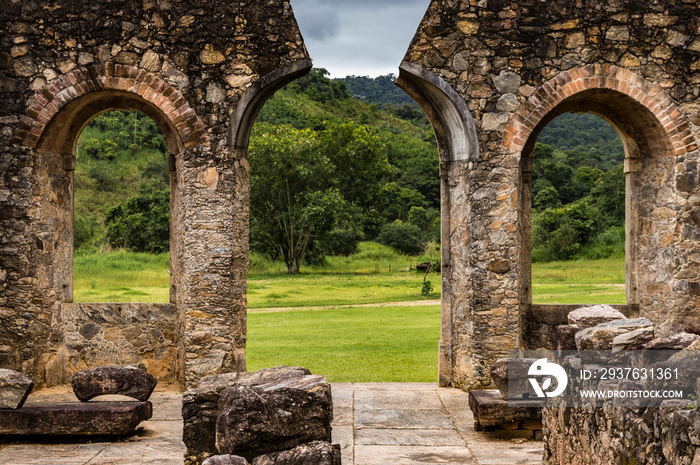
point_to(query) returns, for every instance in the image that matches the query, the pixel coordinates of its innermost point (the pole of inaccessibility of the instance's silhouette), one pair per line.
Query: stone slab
(60, 419)
(14, 388)
(402, 419)
(126, 381)
(490, 409)
(388, 400)
(413, 455)
(407, 437)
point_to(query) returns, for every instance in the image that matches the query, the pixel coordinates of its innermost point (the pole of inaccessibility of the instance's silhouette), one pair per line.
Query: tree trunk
(293, 266)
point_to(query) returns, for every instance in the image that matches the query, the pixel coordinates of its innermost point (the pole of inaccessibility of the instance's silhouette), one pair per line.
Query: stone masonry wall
(117, 334)
(515, 65)
(201, 70)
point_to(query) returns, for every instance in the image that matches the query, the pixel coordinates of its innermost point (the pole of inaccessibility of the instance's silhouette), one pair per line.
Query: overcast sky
(358, 37)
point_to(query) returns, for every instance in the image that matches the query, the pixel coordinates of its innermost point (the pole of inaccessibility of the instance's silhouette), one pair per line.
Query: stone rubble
(126, 381)
(587, 317)
(609, 432)
(600, 337)
(253, 414)
(14, 388)
(316, 453)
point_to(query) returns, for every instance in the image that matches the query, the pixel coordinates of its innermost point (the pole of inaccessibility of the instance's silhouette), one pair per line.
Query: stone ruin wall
(201, 70)
(489, 74)
(516, 65)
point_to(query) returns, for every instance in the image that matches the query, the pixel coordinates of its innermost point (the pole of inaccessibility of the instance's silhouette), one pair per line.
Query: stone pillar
(213, 191)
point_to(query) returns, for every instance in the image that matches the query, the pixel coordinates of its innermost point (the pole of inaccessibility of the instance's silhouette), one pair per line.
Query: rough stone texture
(61, 63)
(633, 340)
(257, 420)
(490, 409)
(93, 418)
(601, 337)
(509, 368)
(565, 337)
(621, 60)
(126, 381)
(675, 342)
(14, 388)
(608, 431)
(587, 317)
(225, 460)
(316, 452)
(121, 334)
(200, 406)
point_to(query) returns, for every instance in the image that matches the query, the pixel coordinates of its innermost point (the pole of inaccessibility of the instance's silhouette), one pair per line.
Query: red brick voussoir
(597, 76)
(58, 93)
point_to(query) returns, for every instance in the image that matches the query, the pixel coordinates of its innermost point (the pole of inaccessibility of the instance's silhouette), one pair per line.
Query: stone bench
(506, 419)
(72, 418)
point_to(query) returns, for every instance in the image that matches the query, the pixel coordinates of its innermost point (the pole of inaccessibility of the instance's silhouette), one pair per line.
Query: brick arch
(617, 94)
(58, 112)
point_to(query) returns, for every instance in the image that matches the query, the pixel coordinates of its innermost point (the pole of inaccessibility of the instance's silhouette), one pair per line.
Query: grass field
(375, 275)
(330, 317)
(358, 344)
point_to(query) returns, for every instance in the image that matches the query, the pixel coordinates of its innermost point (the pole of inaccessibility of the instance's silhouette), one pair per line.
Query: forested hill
(379, 90)
(394, 195)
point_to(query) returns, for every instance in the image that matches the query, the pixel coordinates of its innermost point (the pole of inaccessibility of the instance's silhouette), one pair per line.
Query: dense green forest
(336, 161)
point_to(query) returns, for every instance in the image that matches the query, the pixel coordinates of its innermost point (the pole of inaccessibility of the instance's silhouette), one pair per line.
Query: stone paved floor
(376, 424)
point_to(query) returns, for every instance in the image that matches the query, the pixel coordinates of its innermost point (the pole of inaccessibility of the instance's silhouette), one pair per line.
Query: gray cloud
(360, 37)
(317, 20)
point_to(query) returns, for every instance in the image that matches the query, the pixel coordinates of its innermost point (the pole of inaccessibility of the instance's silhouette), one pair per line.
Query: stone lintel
(62, 419)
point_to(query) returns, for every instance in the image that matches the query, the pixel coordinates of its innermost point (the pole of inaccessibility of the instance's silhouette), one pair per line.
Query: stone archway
(512, 67)
(203, 86)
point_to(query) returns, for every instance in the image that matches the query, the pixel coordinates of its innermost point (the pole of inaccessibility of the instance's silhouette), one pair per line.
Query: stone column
(213, 191)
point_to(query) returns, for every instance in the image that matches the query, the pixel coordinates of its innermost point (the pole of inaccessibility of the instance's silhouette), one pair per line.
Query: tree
(142, 223)
(302, 188)
(609, 196)
(546, 198)
(405, 237)
(397, 201)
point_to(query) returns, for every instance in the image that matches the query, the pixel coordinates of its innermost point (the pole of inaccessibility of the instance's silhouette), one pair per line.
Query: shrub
(404, 237)
(565, 230)
(343, 242)
(142, 223)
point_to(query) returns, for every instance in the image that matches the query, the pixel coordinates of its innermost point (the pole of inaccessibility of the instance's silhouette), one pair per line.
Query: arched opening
(121, 210)
(647, 151)
(578, 213)
(61, 139)
(345, 151)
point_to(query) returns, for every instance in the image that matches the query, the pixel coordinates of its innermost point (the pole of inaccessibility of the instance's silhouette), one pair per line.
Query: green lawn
(375, 275)
(121, 276)
(358, 344)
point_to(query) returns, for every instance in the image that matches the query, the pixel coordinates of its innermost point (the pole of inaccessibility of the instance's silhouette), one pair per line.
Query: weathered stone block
(126, 381)
(14, 388)
(600, 337)
(510, 368)
(200, 406)
(257, 420)
(490, 409)
(633, 340)
(674, 342)
(587, 317)
(316, 453)
(564, 337)
(225, 460)
(93, 418)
